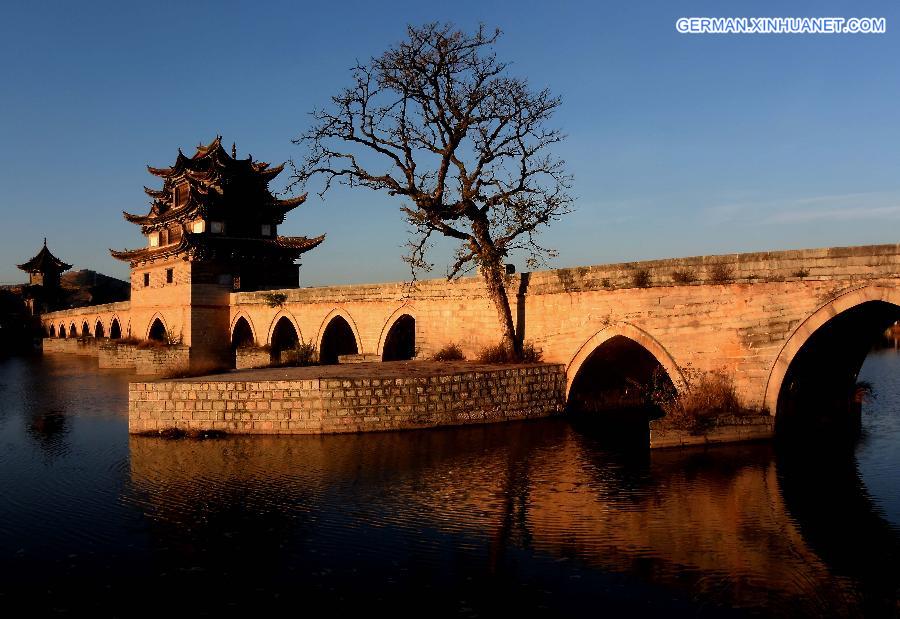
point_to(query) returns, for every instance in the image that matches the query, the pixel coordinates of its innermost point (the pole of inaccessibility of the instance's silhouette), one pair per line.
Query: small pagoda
(44, 270)
(216, 209)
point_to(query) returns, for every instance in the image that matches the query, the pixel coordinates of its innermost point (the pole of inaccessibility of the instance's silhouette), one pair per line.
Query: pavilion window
(174, 234)
(164, 237)
(154, 239)
(198, 226)
(266, 230)
(217, 227)
(146, 279)
(169, 276)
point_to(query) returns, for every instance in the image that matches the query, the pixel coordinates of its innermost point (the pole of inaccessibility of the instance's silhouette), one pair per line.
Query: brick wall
(333, 405)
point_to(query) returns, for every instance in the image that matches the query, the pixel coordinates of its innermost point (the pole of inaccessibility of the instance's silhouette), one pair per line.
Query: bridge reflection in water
(511, 517)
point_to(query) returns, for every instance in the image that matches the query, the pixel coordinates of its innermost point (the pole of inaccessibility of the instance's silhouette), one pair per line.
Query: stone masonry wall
(117, 356)
(247, 358)
(155, 361)
(334, 405)
(73, 346)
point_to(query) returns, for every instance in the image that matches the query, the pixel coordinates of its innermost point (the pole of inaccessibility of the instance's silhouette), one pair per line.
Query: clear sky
(679, 144)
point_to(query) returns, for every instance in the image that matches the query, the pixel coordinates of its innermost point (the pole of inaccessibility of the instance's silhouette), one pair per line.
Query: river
(536, 517)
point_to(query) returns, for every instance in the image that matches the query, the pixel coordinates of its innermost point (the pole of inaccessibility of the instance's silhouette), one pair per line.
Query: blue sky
(679, 144)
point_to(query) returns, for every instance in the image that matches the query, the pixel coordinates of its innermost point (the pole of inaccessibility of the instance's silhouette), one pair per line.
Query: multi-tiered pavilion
(212, 229)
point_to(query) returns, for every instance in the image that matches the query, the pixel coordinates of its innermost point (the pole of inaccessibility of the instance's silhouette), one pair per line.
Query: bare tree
(436, 121)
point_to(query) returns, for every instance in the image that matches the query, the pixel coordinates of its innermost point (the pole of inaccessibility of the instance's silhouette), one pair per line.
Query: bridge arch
(62, 330)
(157, 329)
(284, 334)
(633, 341)
(115, 328)
(73, 330)
(52, 331)
(338, 335)
(99, 330)
(847, 325)
(242, 331)
(274, 324)
(398, 335)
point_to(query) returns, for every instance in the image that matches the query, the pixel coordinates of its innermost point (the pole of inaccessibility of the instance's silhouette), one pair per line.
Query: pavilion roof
(44, 262)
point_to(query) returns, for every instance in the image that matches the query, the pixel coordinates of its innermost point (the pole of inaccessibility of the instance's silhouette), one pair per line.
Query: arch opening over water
(284, 338)
(400, 342)
(819, 392)
(52, 331)
(337, 339)
(62, 331)
(115, 331)
(618, 375)
(158, 331)
(98, 330)
(85, 329)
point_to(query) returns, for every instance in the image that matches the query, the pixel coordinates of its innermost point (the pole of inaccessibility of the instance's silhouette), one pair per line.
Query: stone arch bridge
(770, 321)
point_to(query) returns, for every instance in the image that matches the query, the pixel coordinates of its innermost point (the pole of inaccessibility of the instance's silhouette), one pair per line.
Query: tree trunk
(494, 273)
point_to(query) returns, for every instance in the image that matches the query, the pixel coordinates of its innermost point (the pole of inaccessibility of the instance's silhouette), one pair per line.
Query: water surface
(530, 517)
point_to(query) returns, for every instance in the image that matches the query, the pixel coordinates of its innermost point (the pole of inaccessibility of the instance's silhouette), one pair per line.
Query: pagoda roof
(210, 172)
(291, 246)
(44, 262)
(214, 153)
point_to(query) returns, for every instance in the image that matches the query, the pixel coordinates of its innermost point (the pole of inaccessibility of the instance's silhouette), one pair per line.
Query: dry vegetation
(708, 397)
(450, 352)
(641, 278)
(302, 355)
(721, 274)
(498, 353)
(683, 276)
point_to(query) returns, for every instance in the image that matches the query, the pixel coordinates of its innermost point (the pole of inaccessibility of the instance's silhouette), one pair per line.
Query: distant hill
(88, 287)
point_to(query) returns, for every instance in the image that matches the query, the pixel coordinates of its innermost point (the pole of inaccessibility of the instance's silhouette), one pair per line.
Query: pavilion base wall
(326, 405)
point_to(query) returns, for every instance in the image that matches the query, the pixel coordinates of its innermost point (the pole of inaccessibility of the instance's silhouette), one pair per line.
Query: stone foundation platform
(364, 397)
(731, 430)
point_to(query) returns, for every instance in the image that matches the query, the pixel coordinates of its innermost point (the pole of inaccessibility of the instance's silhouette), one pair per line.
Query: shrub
(275, 299)
(641, 278)
(800, 273)
(530, 354)
(708, 396)
(721, 274)
(683, 276)
(605, 283)
(450, 352)
(498, 353)
(130, 341)
(302, 355)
